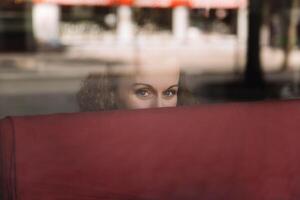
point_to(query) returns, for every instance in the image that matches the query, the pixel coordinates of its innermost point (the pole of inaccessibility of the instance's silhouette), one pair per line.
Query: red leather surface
(7, 160)
(233, 151)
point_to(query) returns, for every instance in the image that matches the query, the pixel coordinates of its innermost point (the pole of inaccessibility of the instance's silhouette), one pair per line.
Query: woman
(149, 87)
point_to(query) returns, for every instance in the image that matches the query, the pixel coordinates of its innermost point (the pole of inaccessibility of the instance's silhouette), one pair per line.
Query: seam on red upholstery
(7, 153)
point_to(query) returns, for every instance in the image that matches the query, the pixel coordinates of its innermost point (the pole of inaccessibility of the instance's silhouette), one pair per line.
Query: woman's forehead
(158, 81)
(157, 68)
(157, 73)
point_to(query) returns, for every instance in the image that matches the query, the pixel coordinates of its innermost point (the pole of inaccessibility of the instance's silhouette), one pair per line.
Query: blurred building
(125, 17)
(25, 23)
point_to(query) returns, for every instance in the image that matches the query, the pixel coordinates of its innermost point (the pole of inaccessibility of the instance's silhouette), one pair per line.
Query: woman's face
(151, 87)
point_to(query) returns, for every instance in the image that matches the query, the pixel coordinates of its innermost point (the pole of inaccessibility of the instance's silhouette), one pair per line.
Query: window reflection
(67, 56)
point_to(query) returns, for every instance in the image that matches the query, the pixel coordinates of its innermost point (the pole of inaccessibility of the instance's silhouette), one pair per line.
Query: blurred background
(229, 50)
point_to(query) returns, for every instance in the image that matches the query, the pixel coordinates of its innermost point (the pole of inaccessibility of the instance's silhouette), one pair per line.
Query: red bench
(234, 151)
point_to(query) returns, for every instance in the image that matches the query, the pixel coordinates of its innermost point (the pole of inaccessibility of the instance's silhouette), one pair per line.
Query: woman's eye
(143, 93)
(170, 93)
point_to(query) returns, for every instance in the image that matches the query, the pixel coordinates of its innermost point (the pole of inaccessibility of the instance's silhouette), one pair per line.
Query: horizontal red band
(226, 4)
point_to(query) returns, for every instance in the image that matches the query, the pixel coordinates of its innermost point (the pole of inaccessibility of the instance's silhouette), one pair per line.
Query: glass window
(70, 56)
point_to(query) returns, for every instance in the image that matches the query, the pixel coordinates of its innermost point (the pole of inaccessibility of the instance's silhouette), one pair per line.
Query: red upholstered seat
(233, 151)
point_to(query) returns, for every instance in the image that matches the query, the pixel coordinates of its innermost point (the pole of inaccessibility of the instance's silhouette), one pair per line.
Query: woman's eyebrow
(150, 86)
(172, 86)
(145, 85)
(141, 84)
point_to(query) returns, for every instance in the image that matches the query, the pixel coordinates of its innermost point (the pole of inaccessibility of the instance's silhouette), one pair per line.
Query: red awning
(153, 3)
(225, 4)
(78, 2)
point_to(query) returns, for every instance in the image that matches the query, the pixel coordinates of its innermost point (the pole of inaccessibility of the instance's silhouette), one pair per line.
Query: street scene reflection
(59, 56)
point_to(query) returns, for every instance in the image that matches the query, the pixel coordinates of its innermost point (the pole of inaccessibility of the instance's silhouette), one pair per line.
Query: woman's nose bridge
(159, 101)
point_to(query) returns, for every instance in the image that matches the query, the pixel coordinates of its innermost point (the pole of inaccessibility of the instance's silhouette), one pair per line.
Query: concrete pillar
(180, 23)
(125, 27)
(46, 19)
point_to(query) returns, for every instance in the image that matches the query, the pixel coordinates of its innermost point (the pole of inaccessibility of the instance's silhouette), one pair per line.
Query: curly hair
(98, 92)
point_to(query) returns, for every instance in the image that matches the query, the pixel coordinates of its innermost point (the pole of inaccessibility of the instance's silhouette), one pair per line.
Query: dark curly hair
(98, 92)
